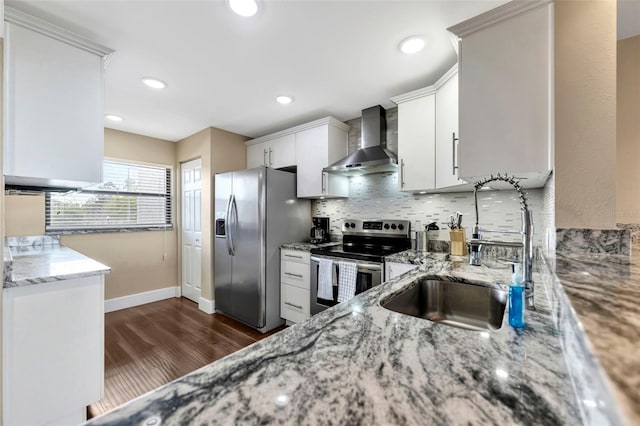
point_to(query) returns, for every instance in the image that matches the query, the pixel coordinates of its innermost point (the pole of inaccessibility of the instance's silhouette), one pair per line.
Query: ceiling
(223, 70)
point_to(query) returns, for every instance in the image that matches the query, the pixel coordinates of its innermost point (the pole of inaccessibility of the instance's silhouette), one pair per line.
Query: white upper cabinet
(416, 143)
(447, 134)
(316, 148)
(257, 155)
(277, 153)
(506, 92)
(427, 137)
(53, 105)
(310, 147)
(282, 152)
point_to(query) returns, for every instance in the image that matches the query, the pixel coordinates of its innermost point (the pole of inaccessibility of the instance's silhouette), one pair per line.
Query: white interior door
(191, 190)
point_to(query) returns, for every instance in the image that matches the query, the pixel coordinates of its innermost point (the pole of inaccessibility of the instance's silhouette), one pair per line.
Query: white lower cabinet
(53, 351)
(393, 269)
(294, 285)
(294, 303)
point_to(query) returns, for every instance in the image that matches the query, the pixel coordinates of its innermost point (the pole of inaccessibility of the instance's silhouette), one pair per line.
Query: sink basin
(469, 306)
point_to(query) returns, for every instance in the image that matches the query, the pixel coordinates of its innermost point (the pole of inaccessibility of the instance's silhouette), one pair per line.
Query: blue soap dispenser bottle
(516, 299)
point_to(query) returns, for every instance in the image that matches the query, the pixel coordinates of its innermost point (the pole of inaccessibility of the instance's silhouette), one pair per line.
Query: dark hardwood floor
(149, 345)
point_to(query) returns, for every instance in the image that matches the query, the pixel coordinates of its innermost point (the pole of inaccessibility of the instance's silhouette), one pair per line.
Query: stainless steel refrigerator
(256, 211)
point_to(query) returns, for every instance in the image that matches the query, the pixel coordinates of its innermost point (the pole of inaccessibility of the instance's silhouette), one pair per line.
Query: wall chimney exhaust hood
(373, 157)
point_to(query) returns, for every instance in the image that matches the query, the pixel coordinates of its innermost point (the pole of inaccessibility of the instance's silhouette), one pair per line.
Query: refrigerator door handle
(227, 220)
(234, 226)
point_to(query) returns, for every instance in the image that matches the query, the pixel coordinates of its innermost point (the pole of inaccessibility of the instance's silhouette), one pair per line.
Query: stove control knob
(353, 225)
(386, 226)
(393, 226)
(401, 227)
(346, 224)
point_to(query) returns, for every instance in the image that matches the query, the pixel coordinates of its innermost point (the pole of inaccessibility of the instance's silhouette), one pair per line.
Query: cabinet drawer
(295, 256)
(294, 303)
(295, 274)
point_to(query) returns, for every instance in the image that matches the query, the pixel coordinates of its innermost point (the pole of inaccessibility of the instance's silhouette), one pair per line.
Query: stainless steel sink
(470, 306)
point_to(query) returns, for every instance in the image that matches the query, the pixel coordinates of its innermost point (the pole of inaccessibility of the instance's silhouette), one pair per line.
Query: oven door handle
(368, 267)
(361, 266)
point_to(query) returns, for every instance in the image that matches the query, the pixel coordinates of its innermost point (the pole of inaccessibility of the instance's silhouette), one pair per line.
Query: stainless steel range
(365, 243)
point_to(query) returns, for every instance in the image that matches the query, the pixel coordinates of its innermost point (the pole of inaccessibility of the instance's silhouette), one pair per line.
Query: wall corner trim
(138, 299)
(206, 305)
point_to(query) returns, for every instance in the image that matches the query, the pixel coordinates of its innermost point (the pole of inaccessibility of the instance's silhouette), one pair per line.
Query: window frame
(90, 229)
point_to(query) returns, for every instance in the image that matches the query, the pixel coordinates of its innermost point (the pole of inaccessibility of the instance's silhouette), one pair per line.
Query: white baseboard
(137, 299)
(206, 305)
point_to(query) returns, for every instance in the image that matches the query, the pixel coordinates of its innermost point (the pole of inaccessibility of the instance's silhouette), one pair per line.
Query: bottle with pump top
(516, 298)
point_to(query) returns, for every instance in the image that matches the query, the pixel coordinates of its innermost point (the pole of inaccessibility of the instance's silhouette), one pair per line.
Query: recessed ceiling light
(244, 7)
(412, 45)
(284, 100)
(154, 83)
(113, 117)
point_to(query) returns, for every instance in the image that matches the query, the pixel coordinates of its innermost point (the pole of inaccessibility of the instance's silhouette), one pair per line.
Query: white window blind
(131, 196)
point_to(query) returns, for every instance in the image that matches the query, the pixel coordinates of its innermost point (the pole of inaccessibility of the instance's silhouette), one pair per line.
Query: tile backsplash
(376, 196)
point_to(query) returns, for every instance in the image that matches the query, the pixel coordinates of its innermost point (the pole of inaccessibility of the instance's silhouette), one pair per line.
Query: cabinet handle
(264, 157)
(453, 144)
(293, 275)
(295, 306)
(401, 173)
(270, 162)
(295, 257)
(324, 186)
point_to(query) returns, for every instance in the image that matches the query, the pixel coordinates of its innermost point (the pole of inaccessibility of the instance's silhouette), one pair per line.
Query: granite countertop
(358, 363)
(42, 263)
(604, 292)
(306, 246)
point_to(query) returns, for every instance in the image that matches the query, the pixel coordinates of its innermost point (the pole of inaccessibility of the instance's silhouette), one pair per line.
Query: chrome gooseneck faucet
(477, 243)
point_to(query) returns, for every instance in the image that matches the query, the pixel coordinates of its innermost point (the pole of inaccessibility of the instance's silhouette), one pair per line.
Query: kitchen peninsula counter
(359, 363)
(38, 260)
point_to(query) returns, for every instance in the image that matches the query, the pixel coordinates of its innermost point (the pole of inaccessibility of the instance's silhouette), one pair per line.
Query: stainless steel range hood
(373, 157)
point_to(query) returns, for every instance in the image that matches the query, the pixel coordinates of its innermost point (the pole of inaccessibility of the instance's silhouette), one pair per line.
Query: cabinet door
(447, 134)
(282, 152)
(312, 150)
(54, 111)
(257, 155)
(506, 96)
(416, 144)
(53, 350)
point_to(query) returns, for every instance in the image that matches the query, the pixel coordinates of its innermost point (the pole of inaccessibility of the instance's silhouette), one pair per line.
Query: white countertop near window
(39, 260)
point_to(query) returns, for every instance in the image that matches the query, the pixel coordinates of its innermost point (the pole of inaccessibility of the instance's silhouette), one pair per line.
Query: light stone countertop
(604, 292)
(358, 363)
(307, 246)
(38, 264)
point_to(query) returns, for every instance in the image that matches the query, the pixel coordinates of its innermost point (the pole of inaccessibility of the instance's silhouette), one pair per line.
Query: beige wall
(140, 261)
(220, 151)
(24, 215)
(628, 119)
(585, 113)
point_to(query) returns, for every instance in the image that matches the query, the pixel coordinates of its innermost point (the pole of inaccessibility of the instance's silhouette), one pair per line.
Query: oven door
(369, 275)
